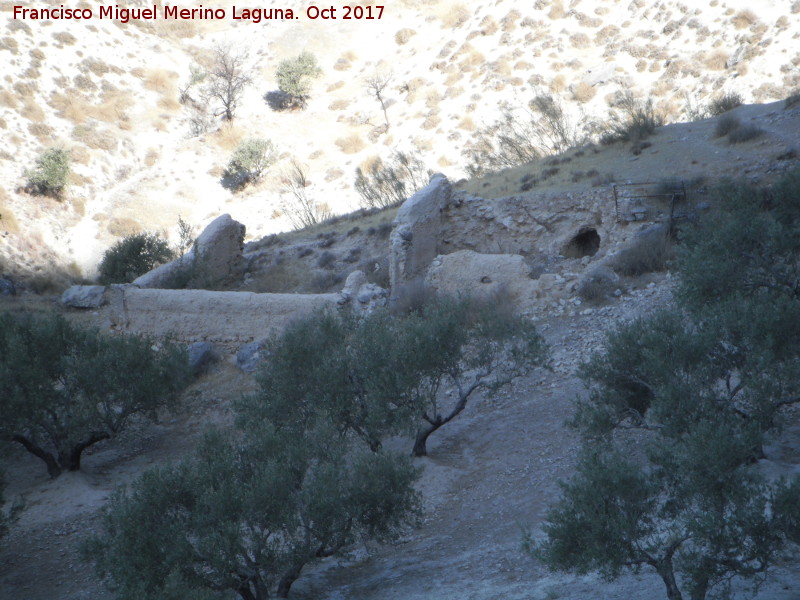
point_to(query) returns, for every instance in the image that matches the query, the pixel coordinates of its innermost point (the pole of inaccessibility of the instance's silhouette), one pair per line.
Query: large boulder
(215, 256)
(84, 296)
(415, 238)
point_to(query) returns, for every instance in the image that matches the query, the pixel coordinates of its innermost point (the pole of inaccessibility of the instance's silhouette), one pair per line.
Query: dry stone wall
(225, 318)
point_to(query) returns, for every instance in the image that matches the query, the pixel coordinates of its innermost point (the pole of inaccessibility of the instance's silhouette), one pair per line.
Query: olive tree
(64, 388)
(247, 518)
(9, 515)
(679, 408)
(387, 374)
(294, 77)
(49, 176)
(249, 161)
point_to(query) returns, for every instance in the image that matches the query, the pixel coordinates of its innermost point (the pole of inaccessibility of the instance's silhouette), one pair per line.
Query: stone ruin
(442, 238)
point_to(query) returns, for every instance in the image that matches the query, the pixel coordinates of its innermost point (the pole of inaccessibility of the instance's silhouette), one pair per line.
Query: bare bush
(745, 133)
(229, 77)
(522, 135)
(725, 125)
(631, 120)
(388, 183)
(725, 102)
(376, 85)
(301, 209)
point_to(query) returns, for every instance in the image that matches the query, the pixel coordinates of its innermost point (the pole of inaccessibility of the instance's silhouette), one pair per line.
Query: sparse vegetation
(302, 209)
(650, 252)
(185, 236)
(376, 84)
(403, 36)
(197, 75)
(132, 257)
(522, 135)
(249, 161)
(384, 184)
(63, 389)
(351, 144)
(49, 176)
(737, 133)
(631, 120)
(725, 102)
(726, 124)
(745, 133)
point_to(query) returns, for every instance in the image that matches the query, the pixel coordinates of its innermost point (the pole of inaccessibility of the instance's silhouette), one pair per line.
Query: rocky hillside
(109, 92)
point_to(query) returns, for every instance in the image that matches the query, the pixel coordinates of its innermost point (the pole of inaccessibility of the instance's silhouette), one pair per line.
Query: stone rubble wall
(225, 318)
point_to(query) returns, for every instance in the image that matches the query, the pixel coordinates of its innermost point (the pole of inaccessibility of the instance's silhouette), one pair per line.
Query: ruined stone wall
(535, 246)
(226, 318)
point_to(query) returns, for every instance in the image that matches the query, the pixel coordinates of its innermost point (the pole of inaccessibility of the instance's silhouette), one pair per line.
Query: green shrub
(294, 78)
(134, 256)
(249, 161)
(49, 176)
(728, 101)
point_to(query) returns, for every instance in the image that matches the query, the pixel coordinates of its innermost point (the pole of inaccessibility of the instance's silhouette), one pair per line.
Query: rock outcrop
(215, 256)
(364, 297)
(414, 242)
(84, 296)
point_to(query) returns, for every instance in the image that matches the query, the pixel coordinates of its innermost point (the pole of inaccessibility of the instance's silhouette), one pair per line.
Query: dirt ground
(490, 474)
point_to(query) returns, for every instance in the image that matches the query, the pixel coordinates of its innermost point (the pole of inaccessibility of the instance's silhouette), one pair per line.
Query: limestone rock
(415, 238)
(250, 355)
(466, 271)
(216, 255)
(84, 296)
(365, 297)
(352, 284)
(224, 318)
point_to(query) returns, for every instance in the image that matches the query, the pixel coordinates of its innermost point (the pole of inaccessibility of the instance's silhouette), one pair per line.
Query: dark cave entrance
(585, 243)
